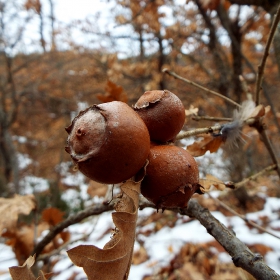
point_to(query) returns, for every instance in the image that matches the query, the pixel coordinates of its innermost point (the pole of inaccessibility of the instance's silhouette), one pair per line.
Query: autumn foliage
(214, 57)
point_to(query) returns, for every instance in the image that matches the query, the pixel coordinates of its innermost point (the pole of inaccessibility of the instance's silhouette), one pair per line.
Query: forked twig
(171, 73)
(261, 67)
(243, 217)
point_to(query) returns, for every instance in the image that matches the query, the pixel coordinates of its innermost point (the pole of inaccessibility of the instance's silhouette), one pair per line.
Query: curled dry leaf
(114, 260)
(10, 208)
(209, 181)
(24, 272)
(208, 143)
(191, 111)
(259, 112)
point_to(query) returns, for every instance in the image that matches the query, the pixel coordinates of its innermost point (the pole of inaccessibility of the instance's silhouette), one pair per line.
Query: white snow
(23, 160)
(32, 184)
(161, 246)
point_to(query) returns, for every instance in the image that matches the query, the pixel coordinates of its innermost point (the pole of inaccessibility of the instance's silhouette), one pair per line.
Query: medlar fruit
(163, 113)
(108, 142)
(172, 176)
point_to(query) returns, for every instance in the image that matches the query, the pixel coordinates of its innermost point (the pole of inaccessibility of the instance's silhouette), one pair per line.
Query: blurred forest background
(46, 78)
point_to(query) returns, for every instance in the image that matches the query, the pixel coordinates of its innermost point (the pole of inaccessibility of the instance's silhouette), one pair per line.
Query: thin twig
(171, 73)
(261, 67)
(214, 119)
(242, 217)
(255, 176)
(234, 186)
(261, 130)
(73, 219)
(197, 131)
(63, 246)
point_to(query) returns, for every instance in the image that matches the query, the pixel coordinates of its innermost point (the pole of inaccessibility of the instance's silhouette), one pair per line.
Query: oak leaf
(11, 208)
(208, 143)
(214, 4)
(113, 93)
(209, 181)
(258, 112)
(52, 216)
(114, 260)
(24, 272)
(191, 111)
(21, 239)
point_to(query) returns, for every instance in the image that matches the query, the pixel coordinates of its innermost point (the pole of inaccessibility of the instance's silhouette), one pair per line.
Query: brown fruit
(163, 113)
(108, 142)
(171, 177)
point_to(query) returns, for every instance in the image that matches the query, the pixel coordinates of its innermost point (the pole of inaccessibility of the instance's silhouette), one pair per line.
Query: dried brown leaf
(214, 4)
(209, 181)
(113, 93)
(267, 109)
(208, 143)
(258, 112)
(191, 111)
(52, 216)
(10, 208)
(140, 256)
(24, 272)
(97, 189)
(114, 260)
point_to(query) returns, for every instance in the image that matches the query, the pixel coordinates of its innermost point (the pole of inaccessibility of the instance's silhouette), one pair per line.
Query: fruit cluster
(111, 143)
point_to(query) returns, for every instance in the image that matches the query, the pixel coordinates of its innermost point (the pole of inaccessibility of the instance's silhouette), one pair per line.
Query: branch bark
(74, 219)
(240, 253)
(267, 5)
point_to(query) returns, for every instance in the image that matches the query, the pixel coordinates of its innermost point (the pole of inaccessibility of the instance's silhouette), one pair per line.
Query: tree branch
(213, 119)
(265, 55)
(243, 217)
(267, 5)
(240, 253)
(255, 176)
(198, 131)
(74, 219)
(171, 73)
(260, 127)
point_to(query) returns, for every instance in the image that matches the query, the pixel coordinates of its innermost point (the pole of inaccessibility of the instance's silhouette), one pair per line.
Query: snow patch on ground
(32, 184)
(161, 246)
